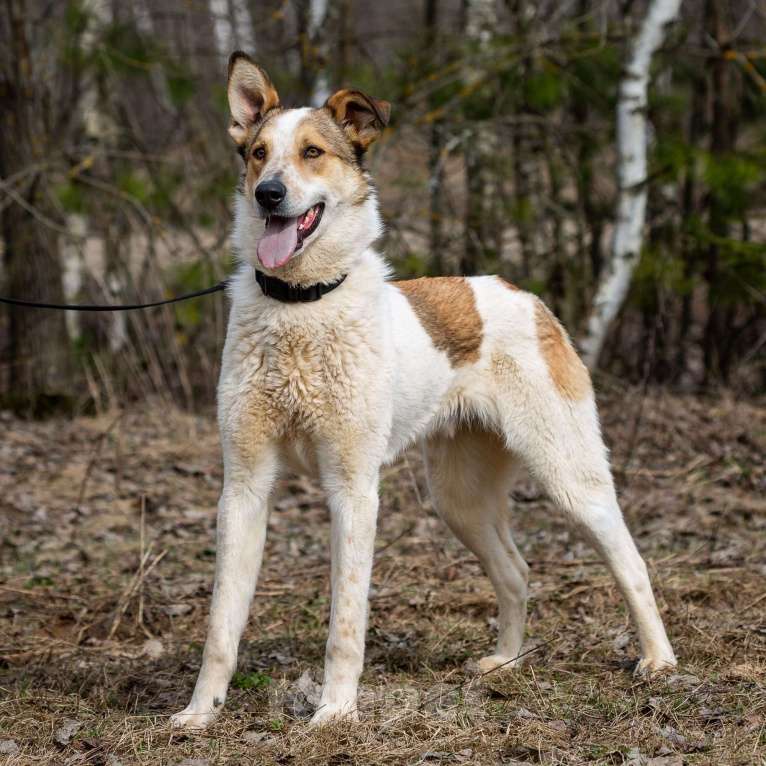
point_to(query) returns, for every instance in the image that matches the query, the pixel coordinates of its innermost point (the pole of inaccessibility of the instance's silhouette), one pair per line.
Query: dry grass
(90, 634)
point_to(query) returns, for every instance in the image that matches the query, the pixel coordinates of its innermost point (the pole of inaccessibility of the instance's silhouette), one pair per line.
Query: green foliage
(126, 51)
(189, 315)
(659, 268)
(180, 88)
(672, 156)
(71, 196)
(412, 265)
(215, 192)
(741, 264)
(39, 581)
(248, 681)
(535, 286)
(592, 74)
(69, 34)
(134, 185)
(544, 89)
(732, 178)
(522, 211)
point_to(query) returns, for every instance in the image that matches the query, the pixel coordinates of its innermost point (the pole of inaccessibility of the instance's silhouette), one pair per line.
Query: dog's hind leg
(470, 474)
(559, 439)
(243, 513)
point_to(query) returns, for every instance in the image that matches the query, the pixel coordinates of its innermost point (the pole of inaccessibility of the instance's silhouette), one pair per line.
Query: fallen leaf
(673, 735)
(8, 747)
(311, 690)
(253, 737)
(65, 732)
(666, 760)
(153, 649)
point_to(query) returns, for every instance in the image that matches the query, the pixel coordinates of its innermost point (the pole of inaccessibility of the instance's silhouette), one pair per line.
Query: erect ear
(251, 95)
(360, 116)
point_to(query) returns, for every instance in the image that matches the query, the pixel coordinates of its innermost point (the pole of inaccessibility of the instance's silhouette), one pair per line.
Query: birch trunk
(631, 177)
(233, 27)
(320, 90)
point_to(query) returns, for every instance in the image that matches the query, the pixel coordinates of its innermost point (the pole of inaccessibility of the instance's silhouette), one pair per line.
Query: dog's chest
(295, 376)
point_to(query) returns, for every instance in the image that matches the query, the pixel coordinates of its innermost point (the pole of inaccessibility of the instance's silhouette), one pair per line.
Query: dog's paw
(191, 720)
(652, 666)
(331, 713)
(495, 661)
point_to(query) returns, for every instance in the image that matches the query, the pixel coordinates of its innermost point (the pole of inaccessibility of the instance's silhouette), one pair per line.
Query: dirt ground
(106, 564)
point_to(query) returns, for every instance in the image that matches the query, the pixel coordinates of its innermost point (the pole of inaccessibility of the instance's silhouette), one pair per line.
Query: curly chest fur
(296, 377)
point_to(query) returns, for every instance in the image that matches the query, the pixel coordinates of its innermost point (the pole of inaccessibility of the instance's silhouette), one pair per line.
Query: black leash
(113, 307)
(271, 287)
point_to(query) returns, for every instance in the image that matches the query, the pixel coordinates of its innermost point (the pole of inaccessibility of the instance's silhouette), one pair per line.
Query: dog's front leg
(241, 533)
(353, 502)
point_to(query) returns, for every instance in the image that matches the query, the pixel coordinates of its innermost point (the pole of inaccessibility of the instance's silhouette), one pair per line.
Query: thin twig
(395, 540)
(753, 603)
(142, 541)
(41, 593)
(131, 589)
(461, 684)
(94, 458)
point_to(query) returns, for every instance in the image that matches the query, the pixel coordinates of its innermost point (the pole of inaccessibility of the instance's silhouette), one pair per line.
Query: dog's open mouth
(284, 237)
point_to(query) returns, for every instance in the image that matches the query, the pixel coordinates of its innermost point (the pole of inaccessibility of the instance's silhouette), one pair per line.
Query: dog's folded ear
(361, 117)
(251, 95)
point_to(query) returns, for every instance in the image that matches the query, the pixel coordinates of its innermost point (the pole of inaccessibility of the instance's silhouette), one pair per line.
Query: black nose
(270, 193)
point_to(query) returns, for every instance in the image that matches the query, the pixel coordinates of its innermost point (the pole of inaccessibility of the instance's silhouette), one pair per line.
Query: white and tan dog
(477, 370)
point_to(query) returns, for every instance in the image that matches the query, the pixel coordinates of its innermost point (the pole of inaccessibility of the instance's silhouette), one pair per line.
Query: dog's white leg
(242, 518)
(598, 515)
(562, 445)
(353, 509)
(469, 476)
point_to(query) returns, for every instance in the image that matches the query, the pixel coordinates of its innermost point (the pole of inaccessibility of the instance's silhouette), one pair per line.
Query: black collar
(287, 293)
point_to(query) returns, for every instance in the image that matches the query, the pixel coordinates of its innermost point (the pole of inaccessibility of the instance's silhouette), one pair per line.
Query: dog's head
(306, 207)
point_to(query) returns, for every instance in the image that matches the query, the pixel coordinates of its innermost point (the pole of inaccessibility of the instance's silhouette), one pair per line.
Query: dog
(331, 369)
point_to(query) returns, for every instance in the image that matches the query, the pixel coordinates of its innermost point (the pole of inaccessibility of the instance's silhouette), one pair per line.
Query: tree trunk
(590, 257)
(631, 177)
(724, 91)
(311, 18)
(344, 10)
(36, 353)
(524, 151)
(479, 145)
(435, 149)
(688, 248)
(233, 26)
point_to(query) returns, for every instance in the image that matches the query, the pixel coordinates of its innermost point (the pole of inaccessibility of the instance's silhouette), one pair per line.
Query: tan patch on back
(569, 374)
(446, 308)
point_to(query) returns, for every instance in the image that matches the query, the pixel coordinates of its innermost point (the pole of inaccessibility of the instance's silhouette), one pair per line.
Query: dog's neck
(336, 253)
(352, 298)
(275, 288)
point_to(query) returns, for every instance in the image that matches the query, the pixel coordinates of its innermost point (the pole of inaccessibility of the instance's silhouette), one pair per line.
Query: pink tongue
(278, 242)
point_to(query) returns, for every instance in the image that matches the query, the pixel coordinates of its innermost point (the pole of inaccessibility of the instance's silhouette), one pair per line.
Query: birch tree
(320, 91)
(233, 27)
(631, 176)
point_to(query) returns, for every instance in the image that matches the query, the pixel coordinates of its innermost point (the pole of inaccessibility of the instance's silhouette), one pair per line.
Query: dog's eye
(259, 153)
(312, 152)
